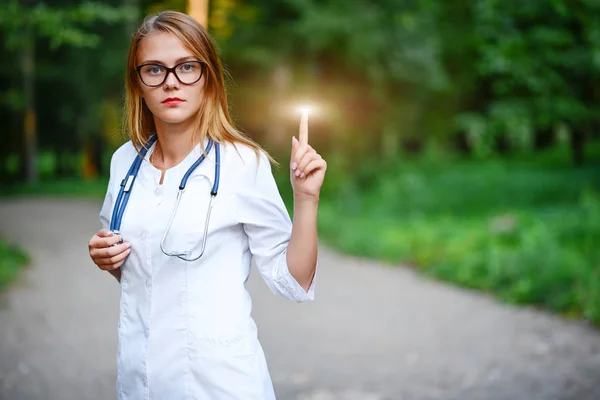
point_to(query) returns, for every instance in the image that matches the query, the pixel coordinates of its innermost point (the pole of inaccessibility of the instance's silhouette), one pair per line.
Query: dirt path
(373, 332)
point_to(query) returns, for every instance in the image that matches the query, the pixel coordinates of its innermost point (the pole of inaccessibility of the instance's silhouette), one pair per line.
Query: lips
(172, 101)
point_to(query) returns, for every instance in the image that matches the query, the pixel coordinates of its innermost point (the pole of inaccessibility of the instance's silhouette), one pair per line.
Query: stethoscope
(127, 185)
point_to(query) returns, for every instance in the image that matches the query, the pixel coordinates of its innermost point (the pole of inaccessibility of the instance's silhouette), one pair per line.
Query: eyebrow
(176, 61)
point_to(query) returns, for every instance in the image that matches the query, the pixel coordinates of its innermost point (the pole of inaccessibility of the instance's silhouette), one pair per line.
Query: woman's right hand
(105, 252)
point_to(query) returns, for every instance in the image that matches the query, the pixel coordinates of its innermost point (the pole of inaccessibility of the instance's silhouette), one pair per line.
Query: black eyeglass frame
(169, 70)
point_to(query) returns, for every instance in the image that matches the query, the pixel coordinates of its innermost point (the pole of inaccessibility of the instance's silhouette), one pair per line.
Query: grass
(524, 229)
(59, 187)
(12, 259)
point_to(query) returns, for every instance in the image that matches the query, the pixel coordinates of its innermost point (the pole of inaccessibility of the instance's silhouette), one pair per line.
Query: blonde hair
(213, 119)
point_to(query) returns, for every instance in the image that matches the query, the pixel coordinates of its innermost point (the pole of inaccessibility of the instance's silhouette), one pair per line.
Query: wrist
(306, 200)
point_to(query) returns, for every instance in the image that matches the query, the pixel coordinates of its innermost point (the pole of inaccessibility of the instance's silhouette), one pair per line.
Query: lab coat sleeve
(268, 227)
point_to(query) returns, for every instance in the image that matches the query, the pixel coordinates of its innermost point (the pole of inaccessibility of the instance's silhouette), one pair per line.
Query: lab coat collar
(206, 167)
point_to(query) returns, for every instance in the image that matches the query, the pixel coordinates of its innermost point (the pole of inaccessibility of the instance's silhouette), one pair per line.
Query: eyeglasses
(187, 72)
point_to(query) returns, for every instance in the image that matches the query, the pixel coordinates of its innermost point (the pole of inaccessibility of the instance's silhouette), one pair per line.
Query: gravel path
(373, 332)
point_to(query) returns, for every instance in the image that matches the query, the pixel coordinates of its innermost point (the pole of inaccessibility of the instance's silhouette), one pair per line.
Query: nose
(171, 80)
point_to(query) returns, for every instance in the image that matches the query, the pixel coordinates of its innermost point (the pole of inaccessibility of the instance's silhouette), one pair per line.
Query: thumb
(295, 145)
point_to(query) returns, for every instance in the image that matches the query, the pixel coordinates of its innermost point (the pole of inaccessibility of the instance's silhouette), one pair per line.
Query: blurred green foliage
(12, 259)
(489, 76)
(61, 26)
(479, 77)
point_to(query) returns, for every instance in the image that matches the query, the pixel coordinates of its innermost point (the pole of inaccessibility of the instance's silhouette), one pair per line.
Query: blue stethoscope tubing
(127, 185)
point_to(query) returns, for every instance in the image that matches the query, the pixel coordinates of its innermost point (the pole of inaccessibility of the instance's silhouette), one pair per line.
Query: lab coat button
(158, 191)
(144, 235)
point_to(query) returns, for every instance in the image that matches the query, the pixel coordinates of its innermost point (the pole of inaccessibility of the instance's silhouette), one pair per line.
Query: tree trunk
(198, 9)
(577, 146)
(30, 159)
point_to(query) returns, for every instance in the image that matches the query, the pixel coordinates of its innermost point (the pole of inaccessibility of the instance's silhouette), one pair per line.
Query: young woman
(190, 201)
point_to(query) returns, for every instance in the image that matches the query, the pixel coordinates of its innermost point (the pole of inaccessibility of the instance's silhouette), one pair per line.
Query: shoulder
(245, 166)
(122, 158)
(244, 159)
(124, 152)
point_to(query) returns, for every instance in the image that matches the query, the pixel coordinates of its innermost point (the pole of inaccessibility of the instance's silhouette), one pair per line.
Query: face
(171, 102)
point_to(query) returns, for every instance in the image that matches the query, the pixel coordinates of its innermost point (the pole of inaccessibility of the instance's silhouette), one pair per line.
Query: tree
(24, 23)
(541, 60)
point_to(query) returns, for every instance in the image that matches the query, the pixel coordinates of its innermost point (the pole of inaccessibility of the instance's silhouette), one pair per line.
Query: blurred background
(463, 137)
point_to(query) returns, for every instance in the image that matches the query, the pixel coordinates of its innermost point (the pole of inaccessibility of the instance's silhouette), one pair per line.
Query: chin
(174, 116)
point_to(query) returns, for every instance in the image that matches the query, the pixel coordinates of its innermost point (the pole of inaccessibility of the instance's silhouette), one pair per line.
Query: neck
(174, 143)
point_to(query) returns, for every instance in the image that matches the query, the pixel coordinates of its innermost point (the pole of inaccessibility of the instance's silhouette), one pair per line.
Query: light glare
(304, 109)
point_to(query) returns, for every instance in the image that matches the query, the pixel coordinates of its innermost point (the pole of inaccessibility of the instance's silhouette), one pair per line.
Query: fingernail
(297, 172)
(302, 175)
(294, 165)
(128, 244)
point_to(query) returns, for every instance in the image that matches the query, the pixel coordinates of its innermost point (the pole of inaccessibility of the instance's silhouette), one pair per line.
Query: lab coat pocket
(225, 344)
(230, 377)
(220, 323)
(220, 335)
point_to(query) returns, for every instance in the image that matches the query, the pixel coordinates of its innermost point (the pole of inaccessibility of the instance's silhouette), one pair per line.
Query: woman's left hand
(307, 167)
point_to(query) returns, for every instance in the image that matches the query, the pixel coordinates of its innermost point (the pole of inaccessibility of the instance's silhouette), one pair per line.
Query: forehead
(162, 46)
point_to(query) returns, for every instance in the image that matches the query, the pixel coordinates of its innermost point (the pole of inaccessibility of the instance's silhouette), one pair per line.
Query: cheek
(147, 98)
(150, 96)
(198, 90)
(196, 97)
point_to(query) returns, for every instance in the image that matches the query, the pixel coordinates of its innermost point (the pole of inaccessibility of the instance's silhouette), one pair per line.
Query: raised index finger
(303, 134)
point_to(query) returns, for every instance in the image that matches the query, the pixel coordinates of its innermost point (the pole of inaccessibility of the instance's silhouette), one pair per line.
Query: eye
(187, 67)
(153, 70)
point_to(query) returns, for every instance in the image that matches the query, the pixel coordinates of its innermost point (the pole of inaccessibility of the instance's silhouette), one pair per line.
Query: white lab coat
(185, 330)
